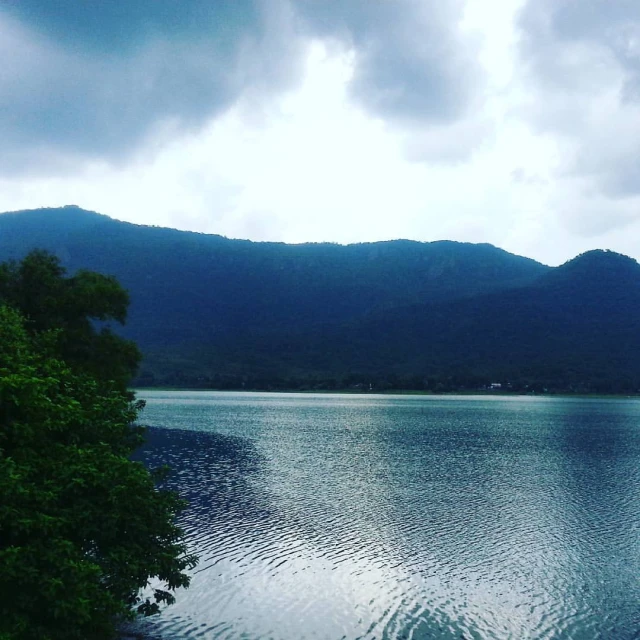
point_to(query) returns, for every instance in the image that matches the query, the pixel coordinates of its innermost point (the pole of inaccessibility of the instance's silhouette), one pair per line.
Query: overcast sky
(503, 121)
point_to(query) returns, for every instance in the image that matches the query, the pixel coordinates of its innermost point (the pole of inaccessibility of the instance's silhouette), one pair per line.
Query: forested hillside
(576, 328)
(214, 312)
(189, 287)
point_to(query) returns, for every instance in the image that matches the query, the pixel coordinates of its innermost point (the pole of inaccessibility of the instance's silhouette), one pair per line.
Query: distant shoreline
(399, 392)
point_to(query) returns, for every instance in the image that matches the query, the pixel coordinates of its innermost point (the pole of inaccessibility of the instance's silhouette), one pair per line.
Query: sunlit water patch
(403, 517)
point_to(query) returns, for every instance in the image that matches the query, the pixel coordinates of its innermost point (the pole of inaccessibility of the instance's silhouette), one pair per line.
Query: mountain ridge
(40, 214)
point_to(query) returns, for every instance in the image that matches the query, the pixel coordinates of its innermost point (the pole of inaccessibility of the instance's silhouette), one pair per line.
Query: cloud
(477, 120)
(581, 63)
(412, 63)
(452, 143)
(88, 81)
(563, 36)
(84, 80)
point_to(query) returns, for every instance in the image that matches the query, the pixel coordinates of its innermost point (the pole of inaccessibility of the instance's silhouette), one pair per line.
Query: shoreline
(402, 392)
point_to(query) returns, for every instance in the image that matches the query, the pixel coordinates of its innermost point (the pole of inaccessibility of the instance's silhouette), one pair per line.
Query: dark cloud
(582, 63)
(92, 79)
(560, 34)
(411, 62)
(118, 28)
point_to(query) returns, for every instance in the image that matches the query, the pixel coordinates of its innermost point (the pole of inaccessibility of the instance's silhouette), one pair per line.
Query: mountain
(189, 286)
(575, 327)
(212, 311)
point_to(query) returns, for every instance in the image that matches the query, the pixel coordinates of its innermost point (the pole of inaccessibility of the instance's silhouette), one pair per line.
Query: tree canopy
(70, 308)
(83, 528)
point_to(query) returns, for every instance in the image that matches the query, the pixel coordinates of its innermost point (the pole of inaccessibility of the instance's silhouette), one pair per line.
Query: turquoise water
(405, 517)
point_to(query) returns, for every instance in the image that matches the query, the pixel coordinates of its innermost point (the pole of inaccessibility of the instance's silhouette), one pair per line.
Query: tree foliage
(82, 527)
(70, 307)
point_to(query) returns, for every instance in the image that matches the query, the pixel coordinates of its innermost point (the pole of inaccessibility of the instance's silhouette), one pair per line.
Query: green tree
(83, 528)
(73, 307)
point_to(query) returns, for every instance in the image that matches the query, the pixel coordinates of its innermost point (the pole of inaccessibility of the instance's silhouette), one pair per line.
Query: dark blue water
(348, 516)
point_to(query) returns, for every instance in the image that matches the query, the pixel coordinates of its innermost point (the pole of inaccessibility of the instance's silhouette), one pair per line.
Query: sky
(513, 122)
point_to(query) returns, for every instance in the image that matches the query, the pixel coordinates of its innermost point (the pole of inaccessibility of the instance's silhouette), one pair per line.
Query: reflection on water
(330, 516)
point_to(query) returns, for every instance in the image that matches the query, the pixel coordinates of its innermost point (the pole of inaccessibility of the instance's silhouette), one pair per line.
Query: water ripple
(328, 517)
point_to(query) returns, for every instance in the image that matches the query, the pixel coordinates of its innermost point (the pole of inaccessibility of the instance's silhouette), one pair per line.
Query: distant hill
(577, 327)
(212, 311)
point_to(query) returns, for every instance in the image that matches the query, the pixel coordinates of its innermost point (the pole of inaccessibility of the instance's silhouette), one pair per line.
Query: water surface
(406, 517)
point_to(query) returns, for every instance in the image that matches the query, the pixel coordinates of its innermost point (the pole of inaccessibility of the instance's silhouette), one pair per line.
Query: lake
(328, 516)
